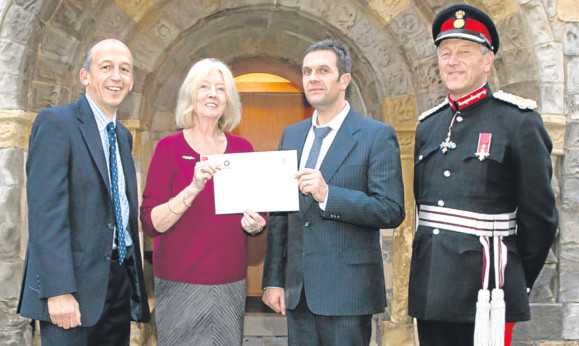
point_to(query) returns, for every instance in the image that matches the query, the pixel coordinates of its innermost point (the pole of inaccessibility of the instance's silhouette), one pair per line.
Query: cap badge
(459, 22)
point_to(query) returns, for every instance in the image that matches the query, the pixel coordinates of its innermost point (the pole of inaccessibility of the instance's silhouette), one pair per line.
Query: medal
(447, 144)
(484, 146)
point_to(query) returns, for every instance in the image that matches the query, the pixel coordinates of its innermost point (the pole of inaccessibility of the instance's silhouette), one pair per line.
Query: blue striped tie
(321, 133)
(115, 188)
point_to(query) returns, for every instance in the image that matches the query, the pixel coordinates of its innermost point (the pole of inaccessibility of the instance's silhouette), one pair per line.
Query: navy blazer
(71, 215)
(335, 254)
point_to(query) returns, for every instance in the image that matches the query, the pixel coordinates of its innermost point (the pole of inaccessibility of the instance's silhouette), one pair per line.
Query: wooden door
(264, 117)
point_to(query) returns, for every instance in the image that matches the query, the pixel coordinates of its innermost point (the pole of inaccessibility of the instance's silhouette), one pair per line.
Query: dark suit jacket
(335, 254)
(71, 215)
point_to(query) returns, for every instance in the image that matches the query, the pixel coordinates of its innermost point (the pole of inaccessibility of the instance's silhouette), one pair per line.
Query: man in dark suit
(324, 263)
(83, 277)
(482, 184)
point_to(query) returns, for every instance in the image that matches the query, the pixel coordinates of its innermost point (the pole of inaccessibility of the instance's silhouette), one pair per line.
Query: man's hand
(312, 181)
(64, 311)
(274, 298)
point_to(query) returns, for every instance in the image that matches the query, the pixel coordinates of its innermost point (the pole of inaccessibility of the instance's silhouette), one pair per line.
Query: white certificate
(259, 181)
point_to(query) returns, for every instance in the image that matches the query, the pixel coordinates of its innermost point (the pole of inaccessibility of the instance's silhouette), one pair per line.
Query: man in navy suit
(323, 264)
(83, 277)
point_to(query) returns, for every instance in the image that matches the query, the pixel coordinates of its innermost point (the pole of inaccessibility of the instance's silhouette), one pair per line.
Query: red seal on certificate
(484, 145)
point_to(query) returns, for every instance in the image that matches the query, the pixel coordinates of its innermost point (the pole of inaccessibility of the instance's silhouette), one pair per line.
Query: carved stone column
(14, 133)
(401, 113)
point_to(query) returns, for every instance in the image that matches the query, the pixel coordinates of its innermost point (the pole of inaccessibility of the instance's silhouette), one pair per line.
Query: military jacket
(512, 172)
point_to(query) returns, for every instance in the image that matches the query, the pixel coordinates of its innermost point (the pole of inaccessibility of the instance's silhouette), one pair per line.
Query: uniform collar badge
(484, 146)
(467, 100)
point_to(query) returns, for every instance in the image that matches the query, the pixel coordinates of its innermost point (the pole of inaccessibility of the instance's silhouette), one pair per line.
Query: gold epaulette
(432, 110)
(518, 101)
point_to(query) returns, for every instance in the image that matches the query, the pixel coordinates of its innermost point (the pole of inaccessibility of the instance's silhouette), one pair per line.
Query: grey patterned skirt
(200, 315)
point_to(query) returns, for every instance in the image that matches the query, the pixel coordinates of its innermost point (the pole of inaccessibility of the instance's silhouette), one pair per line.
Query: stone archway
(394, 73)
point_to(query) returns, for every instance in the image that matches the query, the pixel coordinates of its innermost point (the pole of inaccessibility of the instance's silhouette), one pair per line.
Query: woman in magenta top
(199, 258)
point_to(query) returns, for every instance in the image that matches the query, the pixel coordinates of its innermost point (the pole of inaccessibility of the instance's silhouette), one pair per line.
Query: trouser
(307, 328)
(434, 333)
(114, 326)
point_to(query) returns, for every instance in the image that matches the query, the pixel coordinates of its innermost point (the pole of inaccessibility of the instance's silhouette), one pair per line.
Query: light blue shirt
(102, 121)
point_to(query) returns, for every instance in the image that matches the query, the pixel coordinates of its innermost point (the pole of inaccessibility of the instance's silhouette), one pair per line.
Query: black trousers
(307, 328)
(114, 326)
(434, 333)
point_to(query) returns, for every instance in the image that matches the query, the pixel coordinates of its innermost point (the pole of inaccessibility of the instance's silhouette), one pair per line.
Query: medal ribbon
(484, 145)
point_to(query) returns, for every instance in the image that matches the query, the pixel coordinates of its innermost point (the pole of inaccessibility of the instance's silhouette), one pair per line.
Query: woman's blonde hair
(188, 96)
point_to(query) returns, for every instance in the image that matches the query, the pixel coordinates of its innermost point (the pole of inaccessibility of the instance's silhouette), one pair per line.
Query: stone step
(264, 324)
(264, 329)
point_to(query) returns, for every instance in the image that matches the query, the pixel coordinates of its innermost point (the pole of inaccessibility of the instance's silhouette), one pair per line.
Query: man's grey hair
(86, 63)
(88, 57)
(484, 50)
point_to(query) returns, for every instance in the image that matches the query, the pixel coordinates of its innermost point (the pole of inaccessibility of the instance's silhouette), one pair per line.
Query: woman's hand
(204, 170)
(252, 222)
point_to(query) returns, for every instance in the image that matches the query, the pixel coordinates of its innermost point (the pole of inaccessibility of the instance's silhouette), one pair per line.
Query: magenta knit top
(201, 248)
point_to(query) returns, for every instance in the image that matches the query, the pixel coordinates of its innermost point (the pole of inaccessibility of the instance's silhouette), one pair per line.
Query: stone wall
(395, 78)
(14, 133)
(555, 304)
(569, 225)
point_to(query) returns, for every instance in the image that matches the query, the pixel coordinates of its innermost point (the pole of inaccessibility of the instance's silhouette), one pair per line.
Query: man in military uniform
(482, 184)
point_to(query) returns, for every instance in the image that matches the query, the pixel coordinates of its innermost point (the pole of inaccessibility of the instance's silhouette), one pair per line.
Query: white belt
(490, 312)
(487, 225)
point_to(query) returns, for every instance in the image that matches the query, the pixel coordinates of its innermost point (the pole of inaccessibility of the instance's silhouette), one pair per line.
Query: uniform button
(420, 157)
(111, 226)
(107, 257)
(307, 224)
(447, 173)
(459, 119)
(441, 203)
(435, 231)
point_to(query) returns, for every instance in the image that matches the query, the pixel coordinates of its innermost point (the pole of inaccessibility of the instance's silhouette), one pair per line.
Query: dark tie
(321, 133)
(115, 188)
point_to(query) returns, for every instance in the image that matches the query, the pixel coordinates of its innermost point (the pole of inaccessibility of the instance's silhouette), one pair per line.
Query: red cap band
(471, 25)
